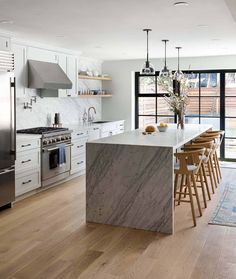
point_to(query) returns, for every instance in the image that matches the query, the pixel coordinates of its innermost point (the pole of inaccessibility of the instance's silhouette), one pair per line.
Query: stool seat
(189, 167)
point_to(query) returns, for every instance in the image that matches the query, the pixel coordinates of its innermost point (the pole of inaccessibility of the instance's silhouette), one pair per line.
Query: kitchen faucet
(90, 116)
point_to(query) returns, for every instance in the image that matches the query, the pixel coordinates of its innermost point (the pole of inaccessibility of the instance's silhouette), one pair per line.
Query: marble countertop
(173, 137)
(80, 126)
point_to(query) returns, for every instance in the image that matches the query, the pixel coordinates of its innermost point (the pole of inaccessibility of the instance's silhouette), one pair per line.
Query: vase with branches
(176, 97)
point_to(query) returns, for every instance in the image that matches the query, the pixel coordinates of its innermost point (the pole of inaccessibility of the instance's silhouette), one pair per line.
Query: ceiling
(112, 29)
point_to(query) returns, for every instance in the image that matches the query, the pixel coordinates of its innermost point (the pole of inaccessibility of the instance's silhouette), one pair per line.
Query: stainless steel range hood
(45, 75)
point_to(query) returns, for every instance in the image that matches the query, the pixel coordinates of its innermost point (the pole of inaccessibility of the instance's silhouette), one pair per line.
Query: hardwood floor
(45, 236)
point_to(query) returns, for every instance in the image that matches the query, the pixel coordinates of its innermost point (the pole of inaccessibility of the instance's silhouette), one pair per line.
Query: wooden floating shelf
(94, 78)
(96, 96)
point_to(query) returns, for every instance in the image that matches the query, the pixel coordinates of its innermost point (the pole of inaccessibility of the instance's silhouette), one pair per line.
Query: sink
(100, 122)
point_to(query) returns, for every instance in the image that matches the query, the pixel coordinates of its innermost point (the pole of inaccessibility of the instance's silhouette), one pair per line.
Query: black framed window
(212, 100)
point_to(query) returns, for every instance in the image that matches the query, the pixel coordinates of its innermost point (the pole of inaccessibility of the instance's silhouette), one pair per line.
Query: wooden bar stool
(202, 173)
(219, 136)
(189, 163)
(210, 168)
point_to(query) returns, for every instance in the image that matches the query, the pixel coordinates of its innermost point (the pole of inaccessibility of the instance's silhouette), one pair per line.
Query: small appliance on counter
(7, 129)
(57, 120)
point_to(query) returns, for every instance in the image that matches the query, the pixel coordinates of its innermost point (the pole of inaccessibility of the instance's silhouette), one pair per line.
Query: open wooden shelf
(95, 96)
(94, 78)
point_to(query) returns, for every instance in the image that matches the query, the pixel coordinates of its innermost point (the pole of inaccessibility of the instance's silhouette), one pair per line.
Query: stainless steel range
(55, 153)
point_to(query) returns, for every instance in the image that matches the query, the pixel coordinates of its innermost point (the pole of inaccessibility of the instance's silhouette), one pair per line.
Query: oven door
(51, 164)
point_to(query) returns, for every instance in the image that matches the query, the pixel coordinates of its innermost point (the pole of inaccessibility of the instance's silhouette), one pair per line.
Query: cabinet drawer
(78, 164)
(76, 135)
(22, 145)
(28, 160)
(27, 183)
(78, 147)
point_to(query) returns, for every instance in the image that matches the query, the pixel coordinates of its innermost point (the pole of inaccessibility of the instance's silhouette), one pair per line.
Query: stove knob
(69, 137)
(49, 141)
(45, 142)
(58, 139)
(62, 138)
(66, 138)
(53, 140)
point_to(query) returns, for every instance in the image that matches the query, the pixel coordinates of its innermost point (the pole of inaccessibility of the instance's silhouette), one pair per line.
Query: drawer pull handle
(25, 145)
(80, 134)
(26, 182)
(79, 146)
(96, 128)
(79, 163)
(23, 162)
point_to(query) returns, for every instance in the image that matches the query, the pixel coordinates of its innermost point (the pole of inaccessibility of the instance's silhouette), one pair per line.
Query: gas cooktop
(41, 130)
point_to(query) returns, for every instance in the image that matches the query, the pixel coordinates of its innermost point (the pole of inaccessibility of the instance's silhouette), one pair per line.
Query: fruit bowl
(162, 127)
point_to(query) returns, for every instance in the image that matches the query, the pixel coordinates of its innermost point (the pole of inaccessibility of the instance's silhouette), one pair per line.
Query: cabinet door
(71, 66)
(94, 134)
(5, 43)
(62, 63)
(20, 69)
(44, 55)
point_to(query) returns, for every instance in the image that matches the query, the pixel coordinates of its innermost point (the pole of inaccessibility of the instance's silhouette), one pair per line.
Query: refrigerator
(7, 129)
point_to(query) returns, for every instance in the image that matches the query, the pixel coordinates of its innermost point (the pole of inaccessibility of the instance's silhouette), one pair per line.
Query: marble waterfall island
(130, 177)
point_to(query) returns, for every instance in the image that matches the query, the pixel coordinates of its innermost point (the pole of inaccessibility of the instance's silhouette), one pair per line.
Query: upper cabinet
(20, 69)
(71, 67)
(40, 54)
(5, 43)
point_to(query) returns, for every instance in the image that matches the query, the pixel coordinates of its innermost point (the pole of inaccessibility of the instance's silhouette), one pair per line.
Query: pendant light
(165, 72)
(178, 75)
(147, 68)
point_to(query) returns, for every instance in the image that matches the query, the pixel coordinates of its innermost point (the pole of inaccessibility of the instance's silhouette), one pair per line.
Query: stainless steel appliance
(55, 154)
(7, 129)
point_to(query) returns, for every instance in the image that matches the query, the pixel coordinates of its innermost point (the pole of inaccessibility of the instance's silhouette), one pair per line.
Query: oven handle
(55, 148)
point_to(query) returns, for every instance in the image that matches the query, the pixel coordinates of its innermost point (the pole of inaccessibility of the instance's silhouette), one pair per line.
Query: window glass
(147, 106)
(146, 120)
(162, 107)
(210, 106)
(147, 85)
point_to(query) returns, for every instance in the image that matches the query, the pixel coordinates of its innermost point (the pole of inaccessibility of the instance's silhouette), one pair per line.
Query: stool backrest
(192, 157)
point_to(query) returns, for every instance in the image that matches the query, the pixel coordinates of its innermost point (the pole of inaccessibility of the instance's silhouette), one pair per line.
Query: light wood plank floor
(45, 236)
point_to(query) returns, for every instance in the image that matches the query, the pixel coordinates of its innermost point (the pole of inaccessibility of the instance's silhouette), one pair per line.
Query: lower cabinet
(26, 182)
(78, 163)
(28, 165)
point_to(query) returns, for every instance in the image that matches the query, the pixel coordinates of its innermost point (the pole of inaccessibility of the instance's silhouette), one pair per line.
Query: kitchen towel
(62, 155)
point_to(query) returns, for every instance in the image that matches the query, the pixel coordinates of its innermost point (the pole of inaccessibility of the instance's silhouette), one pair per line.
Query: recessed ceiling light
(215, 39)
(97, 47)
(60, 36)
(6, 21)
(177, 4)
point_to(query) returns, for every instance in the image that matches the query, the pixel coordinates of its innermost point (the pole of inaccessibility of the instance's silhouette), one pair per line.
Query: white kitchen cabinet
(27, 182)
(94, 134)
(20, 69)
(43, 55)
(71, 71)
(28, 164)
(5, 43)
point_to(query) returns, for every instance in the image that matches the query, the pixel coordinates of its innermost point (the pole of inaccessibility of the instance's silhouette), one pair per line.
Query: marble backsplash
(42, 112)
(70, 108)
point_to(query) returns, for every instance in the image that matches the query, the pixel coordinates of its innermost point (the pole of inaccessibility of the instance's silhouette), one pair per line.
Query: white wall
(121, 105)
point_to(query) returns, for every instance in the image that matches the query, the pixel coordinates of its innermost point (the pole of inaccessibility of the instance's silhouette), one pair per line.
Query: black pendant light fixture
(147, 68)
(178, 75)
(165, 72)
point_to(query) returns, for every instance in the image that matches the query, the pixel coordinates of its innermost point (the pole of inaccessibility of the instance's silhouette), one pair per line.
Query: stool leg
(202, 186)
(206, 181)
(213, 172)
(218, 166)
(191, 201)
(181, 187)
(216, 169)
(196, 193)
(210, 175)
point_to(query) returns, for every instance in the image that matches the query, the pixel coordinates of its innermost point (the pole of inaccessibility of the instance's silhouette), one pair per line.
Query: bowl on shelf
(162, 128)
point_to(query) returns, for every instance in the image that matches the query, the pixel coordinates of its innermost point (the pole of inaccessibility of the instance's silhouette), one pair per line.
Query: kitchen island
(130, 177)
